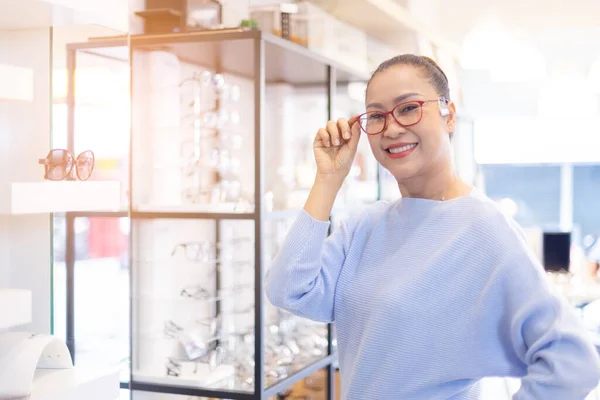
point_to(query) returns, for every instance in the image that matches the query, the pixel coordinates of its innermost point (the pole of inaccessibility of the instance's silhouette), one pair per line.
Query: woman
(434, 291)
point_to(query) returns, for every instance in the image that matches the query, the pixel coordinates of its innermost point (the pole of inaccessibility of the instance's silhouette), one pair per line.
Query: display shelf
(180, 212)
(384, 20)
(202, 376)
(176, 214)
(191, 391)
(230, 51)
(75, 384)
(303, 373)
(63, 196)
(15, 308)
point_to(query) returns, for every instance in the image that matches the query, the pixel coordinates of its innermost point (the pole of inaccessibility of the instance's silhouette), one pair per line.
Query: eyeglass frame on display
(46, 163)
(442, 103)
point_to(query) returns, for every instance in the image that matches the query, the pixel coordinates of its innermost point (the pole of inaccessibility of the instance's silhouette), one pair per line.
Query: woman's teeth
(401, 149)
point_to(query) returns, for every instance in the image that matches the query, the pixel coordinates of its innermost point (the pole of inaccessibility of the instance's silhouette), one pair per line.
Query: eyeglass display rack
(188, 207)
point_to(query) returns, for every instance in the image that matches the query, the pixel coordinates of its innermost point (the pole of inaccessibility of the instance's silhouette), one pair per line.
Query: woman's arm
(304, 274)
(542, 329)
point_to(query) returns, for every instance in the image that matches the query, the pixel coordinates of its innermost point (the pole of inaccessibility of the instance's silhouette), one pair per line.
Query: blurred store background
(525, 76)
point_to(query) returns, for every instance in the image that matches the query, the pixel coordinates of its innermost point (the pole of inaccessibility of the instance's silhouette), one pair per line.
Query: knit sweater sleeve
(541, 328)
(304, 274)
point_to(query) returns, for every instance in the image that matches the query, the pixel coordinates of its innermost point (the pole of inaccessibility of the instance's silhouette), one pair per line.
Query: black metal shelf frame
(290, 59)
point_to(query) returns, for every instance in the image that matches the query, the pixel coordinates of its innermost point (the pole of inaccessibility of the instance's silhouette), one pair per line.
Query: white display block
(198, 208)
(75, 384)
(21, 354)
(15, 308)
(63, 196)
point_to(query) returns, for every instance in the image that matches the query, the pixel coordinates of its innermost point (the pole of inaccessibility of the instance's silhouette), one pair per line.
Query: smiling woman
(424, 118)
(437, 290)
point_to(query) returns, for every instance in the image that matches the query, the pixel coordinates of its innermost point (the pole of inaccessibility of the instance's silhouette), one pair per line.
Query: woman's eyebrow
(397, 100)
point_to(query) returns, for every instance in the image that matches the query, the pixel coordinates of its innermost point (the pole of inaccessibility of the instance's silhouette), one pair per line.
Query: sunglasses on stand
(60, 164)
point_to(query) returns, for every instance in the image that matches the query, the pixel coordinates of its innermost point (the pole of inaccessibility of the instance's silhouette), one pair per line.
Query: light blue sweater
(429, 297)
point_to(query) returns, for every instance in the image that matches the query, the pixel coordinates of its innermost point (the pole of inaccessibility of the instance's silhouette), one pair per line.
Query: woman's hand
(335, 147)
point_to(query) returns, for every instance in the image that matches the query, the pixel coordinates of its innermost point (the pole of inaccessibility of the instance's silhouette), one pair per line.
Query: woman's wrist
(322, 197)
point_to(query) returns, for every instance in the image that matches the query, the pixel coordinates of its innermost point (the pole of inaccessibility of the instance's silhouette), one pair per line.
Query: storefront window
(586, 199)
(531, 193)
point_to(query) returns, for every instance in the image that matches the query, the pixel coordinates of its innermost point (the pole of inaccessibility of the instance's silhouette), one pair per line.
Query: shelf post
(69, 219)
(331, 91)
(259, 184)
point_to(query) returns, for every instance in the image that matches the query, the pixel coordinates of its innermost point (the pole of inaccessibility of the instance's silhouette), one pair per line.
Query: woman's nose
(393, 128)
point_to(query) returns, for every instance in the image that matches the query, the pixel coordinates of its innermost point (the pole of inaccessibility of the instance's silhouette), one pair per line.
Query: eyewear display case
(222, 125)
(214, 157)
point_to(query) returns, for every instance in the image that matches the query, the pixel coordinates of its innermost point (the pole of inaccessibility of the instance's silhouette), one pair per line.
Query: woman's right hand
(335, 147)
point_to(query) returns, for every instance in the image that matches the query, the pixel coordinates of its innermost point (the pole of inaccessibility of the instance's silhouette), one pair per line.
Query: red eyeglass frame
(391, 112)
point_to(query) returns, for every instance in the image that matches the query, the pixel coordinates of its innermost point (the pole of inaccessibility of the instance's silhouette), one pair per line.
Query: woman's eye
(375, 117)
(408, 108)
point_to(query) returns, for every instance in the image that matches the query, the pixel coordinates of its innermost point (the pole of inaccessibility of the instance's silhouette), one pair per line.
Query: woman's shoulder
(488, 214)
(491, 224)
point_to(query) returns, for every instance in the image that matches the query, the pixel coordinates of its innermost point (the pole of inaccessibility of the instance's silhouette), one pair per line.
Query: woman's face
(428, 141)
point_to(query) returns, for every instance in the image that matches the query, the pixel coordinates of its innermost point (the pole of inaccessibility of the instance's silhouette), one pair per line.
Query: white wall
(25, 254)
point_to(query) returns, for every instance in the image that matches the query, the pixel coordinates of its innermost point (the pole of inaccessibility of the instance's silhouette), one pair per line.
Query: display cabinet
(220, 167)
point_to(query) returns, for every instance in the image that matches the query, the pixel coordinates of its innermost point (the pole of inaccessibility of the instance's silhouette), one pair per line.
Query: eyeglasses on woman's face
(405, 114)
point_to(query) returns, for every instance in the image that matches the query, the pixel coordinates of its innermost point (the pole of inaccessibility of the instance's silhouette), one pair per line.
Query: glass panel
(102, 293)
(59, 276)
(296, 107)
(102, 114)
(193, 127)
(193, 303)
(586, 213)
(360, 187)
(291, 342)
(313, 387)
(530, 193)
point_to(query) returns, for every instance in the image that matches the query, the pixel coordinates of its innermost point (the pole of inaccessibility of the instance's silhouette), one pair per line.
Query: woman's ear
(451, 118)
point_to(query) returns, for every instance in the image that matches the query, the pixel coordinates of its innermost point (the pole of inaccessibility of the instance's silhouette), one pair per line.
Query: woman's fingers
(324, 136)
(338, 132)
(334, 133)
(344, 128)
(355, 132)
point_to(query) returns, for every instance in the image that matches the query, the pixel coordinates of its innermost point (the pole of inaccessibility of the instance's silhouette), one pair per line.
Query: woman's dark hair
(437, 78)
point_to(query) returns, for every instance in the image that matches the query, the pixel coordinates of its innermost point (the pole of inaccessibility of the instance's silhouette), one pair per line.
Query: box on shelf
(333, 38)
(378, 52)
(312, 27)
(269, 19)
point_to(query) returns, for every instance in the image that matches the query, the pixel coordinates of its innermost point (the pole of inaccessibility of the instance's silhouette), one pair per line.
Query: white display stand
(21, 353)
(15, 308)
(75, 384)
(39, 366)
(62, 196)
